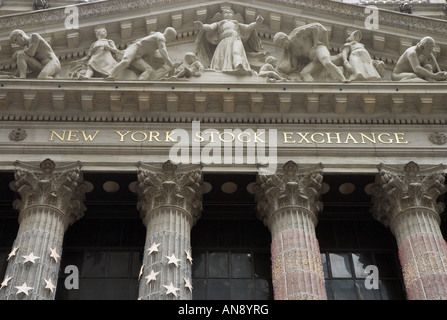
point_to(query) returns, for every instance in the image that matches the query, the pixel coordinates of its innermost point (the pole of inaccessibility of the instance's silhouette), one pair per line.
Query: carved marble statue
(357, 62)
(194, 67)
(101, 58)
(269, 71)
(148, 56)
(418, 63)
(307, 45)
(35, 54)
(223, 45)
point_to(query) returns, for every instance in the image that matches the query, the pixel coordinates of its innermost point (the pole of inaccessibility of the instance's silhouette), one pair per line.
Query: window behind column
(347, 249)
(230, 245)
(107, 244)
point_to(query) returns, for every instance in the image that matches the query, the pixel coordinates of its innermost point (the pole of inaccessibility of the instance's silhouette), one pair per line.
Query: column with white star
(50, 199)
(170, 202)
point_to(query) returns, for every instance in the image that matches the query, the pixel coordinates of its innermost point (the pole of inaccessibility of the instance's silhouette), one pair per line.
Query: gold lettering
(89, 137)
(154, 135)
(212, 135)
(242, 140)
(226, 141)
(287, 137)
(384, 134)
(258, 138)
(399, 138)
(168, 137)
(350, 137)
(122, 135)
(199, 135)
(373, 139)
(72, 136)
(303, 137)
(329, 138)
(312, 137)
(53, 133)
(138, 132)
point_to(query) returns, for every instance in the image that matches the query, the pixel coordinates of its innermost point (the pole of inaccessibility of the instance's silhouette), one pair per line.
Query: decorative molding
(86, 10)
(170, 185)
(17, 135)
(353, 12)
(290, 187)
(397, 190)
(438, 138)
(45, 185)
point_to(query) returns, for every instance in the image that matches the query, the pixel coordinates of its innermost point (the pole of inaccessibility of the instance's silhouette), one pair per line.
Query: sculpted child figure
(269, 71)
(36, 54)
(194, 67)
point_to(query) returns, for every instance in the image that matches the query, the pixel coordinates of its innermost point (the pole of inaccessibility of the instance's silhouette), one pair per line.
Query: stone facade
(170, 91)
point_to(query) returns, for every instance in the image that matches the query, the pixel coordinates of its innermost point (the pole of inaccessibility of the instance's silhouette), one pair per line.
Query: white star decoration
(188, 284)
(54, 254)
(188, 256)
(173, 260)
(171, 290)
(153, 248)
(49, 285)
(152, 276)
(5, 282)
(31, 258)
(13, 253)
(23, 288)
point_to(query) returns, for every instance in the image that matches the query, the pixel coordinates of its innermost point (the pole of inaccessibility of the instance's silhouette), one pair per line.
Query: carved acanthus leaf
(62, 188)
(290, 187)
(397, 190)
(170, 186)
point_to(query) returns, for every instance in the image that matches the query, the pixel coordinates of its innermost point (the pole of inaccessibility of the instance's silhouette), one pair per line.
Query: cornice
(386, 17)
(86, 10)
(260, 102)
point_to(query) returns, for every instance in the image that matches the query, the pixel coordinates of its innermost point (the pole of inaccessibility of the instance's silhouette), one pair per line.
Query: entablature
(134, 101)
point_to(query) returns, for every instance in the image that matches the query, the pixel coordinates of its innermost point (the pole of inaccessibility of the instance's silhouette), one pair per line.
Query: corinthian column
(405, 201)
(170, 202)
(51, 199)
(288, 203)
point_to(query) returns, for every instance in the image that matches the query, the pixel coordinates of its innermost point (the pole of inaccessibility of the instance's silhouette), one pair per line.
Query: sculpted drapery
(223, 45)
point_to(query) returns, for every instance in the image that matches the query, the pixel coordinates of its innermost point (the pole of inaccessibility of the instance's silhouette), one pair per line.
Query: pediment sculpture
(227, 46)
(418, 63)
(144, 59)
(223, 45)
(35, 55)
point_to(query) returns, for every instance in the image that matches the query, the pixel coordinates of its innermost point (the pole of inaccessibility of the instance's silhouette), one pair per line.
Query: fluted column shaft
(288, 203)
(50, 201)
(406, 202)
(170, 204)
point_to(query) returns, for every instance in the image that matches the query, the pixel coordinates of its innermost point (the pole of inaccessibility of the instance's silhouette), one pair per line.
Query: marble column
(170, 202)
(288, 203)
(405, 200)
(50, 200)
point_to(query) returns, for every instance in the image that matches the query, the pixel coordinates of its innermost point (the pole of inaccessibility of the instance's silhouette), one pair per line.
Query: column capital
(170, 185)
(290, 187)
(61, 188)
(398, 190)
